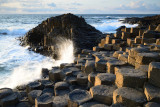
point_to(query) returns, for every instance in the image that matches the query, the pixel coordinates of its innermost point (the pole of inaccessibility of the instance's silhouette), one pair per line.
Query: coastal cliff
(145, 21)
(45, 37)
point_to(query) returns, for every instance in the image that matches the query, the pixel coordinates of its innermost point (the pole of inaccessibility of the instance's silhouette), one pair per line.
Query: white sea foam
(109, 26)
(29, 64)
(13, 31)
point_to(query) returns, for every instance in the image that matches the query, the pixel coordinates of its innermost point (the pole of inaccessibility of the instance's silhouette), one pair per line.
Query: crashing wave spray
(30, 70)
(65, 51)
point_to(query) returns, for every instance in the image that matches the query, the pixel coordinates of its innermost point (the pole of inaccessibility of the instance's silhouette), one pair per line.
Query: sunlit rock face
(45, 37)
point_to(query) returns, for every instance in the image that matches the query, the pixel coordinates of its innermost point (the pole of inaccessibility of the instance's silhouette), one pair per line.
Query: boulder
(33, 86)
(8, 99)
(93, 104)
(135, 31)
(152, 27)
(45, 72)
(122, 67)
(60, 101)
(131, 60)
(48, 91)
(105, 79)
(99, 105)
(154, 73)
(91, 79)
(127, 77)
(138, 40)
(151, 104)
(46, 84)
(116, 41)
(22, 95)
(109, 39)
(62, 92)
(116, 53)
(129, 97)
(97, 48)
(146, 58)
(71, 80)
(89, 67)
(123, 57)
(73, 87)
(125, 35)
(33, 95)
(134, 51)
(86, 51)
(148, 40)
(108, 47)
(61, 86)
(54, 75)
(5, 92)
(45, 100)
(117, 105)
(158, 28)
(127, 30)
(149, 34)
(78, 97)
(23, 104)
(152, 93)
(82, 79)
(103, 93)
(114, 63)
(130, 41)
(101, 66)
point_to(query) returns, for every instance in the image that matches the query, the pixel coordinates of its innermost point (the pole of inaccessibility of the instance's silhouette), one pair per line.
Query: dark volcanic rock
(145, 21)
(45, 36)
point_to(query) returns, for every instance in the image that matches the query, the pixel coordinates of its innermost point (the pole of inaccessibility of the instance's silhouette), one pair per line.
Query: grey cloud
(140, 6)
(77, 4)
(42, 10)
(52, 5)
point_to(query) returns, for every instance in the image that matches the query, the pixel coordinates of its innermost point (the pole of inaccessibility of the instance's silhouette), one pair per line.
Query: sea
(20, 66)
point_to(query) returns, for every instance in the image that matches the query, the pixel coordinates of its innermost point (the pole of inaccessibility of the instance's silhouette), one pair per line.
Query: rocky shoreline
(44, 38)
(123, 70)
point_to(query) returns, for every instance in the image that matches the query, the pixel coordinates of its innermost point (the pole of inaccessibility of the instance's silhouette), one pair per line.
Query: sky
(80, 6)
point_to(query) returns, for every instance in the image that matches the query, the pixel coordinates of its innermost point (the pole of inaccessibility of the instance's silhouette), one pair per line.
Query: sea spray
(110, 26)
(31, 69)
(66, 50)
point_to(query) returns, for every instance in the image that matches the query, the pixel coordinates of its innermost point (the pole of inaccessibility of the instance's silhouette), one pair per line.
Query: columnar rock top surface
(122, 70)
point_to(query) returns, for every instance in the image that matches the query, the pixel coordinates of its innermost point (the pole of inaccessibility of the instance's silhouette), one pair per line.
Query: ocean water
(19, 66)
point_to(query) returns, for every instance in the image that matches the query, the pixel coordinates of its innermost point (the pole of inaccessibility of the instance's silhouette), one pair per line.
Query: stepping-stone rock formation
(45, 100)
(129, 97)
(152, 93)
(103, 93)
(105, 79)
(126, 77)
(78, 97)
(154, 73)
(8, 97)
(122, 70)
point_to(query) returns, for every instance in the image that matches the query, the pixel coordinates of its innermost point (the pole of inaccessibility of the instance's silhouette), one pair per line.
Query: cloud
(81, 6)
(77, 4)
(139, 6)
(52, 5)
